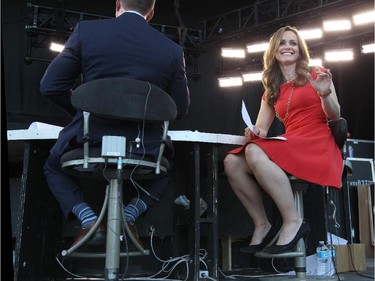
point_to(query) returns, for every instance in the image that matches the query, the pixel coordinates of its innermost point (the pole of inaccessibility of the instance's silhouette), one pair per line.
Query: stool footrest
(103, 254)
(281, 255)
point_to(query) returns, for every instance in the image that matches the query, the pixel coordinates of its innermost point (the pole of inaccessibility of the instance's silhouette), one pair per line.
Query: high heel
(302, 232)
(251, 249)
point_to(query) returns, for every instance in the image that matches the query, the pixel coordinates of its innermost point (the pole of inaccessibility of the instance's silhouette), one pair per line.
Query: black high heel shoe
(302, 232)
(251, 249)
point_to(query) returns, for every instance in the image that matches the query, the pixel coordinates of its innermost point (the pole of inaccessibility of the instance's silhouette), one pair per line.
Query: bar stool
(128, 101)
(299, 187)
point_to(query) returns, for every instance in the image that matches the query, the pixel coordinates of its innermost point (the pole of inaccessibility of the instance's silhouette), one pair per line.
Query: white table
(185, 136)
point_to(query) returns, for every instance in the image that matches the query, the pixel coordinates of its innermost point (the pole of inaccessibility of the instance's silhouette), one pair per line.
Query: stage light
(315, 62)
(257, 48)
(233, 53)
(339, 55)
(363, 18)
(252, 76)
(230, 81)
(368, 48)
(56, 47)
(336, 25)
(309, 34)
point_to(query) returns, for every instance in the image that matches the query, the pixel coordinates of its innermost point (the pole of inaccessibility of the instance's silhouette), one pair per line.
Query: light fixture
(233, 81)
(232, 53)
(257, 47)
(336, 25)
(309, 34)
(315, 62)
(56, 47)
(368, 48)
(252, 76)
(363, 18)
(339, 55)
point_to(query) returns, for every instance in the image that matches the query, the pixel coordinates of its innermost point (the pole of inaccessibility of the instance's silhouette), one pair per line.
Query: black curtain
(213, 109)
(6, 225)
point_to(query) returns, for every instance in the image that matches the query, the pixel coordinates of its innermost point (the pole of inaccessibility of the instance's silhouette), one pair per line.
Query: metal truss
(56, 24)
(256, 22)
(263, 15)
(50, 24)
(259, 19)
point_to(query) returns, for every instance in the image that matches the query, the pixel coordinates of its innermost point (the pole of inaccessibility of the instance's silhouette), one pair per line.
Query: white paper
(43, 126)
(336, 240)
(246, 118)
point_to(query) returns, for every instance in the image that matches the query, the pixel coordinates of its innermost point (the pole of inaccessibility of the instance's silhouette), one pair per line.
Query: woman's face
(288, 51)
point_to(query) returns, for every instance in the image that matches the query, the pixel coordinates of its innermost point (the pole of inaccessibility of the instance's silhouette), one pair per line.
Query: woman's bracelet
(320, 94)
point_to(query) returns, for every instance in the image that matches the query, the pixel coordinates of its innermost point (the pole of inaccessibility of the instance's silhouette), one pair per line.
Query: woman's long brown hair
(272, 77)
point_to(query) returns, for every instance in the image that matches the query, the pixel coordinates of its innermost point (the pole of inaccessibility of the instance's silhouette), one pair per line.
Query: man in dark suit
(128, 47)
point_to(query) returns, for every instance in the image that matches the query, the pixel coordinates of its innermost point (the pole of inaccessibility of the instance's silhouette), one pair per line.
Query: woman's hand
(322, 83)
(326, 91)
(250, 135)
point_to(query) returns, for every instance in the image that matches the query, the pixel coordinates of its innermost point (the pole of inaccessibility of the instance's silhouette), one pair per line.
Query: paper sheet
(43, 126)
(246, 118)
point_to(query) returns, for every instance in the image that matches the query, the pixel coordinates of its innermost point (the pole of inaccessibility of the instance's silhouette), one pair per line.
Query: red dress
(310, 152)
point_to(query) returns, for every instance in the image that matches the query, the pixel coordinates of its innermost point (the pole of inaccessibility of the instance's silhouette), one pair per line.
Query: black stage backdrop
(213, 109)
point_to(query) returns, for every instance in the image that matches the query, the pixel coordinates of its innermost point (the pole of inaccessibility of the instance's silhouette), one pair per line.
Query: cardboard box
(366, 223)
(350, 258)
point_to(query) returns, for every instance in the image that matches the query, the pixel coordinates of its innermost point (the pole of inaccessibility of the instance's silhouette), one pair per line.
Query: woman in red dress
(303, 99)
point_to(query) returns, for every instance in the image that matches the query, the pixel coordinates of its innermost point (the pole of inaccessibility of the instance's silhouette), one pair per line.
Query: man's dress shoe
(97, 238)
(134, 231)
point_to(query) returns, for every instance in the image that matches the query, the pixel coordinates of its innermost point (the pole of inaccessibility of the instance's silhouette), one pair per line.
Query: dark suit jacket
(127, 47)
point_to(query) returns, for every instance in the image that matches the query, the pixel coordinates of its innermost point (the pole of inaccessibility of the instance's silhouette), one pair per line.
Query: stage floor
(256, 275)
(247, 275)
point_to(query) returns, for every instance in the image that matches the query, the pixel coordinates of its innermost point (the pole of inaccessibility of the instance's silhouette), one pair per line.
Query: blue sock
(134, 209)
(85, 214)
